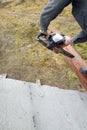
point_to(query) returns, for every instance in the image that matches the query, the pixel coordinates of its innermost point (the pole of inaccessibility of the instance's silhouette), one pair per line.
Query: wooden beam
(3, 76)
(38, 82)
(75, 63)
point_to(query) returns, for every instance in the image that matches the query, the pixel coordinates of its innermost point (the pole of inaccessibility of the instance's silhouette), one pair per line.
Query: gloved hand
(44, 32)
(68, 40)
(41, 35)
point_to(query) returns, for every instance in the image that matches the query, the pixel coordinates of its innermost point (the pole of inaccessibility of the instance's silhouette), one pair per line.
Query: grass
(23, 58)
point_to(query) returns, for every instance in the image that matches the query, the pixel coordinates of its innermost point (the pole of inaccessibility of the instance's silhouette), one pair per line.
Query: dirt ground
(23, 58)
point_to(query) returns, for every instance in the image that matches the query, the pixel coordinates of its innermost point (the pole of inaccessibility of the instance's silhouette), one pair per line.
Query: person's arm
(79, 38)
(51, 11)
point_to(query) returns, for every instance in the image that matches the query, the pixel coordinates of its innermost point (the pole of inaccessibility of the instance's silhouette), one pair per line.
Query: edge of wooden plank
(75, 64)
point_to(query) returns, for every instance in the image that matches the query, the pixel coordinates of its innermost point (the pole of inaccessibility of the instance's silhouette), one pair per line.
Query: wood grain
(75, 64)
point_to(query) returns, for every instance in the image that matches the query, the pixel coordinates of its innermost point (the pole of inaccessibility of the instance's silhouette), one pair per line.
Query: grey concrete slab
(57, 109)
(29, 106)
(15, 106)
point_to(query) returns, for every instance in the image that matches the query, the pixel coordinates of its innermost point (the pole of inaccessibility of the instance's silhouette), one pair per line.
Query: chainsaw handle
(40, 35)
(38, 38)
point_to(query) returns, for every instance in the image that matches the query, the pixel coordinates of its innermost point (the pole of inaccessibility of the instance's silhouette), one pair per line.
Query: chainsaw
(53, 42)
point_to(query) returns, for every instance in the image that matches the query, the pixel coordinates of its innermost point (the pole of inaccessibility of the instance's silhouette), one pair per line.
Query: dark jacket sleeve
(51, 11)
(81, 37)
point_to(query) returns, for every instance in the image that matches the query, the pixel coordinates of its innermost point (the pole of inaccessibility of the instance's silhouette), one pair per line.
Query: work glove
(68, 40)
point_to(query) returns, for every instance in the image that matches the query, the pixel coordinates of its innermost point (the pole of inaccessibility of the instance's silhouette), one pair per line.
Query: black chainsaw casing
(48, 42)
